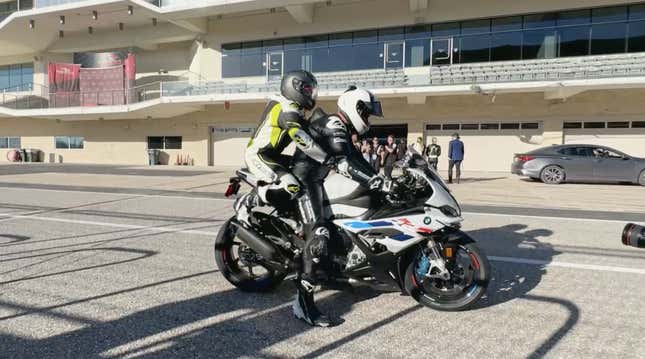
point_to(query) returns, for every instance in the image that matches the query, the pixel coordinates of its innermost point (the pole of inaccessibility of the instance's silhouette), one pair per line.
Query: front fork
(432, 263)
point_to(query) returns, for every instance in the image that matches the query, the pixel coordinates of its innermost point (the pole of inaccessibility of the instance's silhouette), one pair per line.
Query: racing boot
(244, 205)
(305, 309)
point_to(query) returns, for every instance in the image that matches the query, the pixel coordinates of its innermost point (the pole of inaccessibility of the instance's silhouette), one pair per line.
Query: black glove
(377, 183)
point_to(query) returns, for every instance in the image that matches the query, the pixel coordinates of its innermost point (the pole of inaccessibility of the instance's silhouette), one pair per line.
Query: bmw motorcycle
(409, 240)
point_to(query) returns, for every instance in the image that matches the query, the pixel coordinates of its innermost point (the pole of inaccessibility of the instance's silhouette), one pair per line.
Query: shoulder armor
(335, 123)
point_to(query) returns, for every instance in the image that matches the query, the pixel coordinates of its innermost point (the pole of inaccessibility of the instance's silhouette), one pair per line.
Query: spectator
(402, 149)
(418, 146)
(356, 142)
(377, 150)
(366, 150)
(456, 156)
(432, 153)
(390, 152)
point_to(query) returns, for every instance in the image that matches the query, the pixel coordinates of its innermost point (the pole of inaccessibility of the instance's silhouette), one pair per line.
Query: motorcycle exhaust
(634, 235)
(261, 246)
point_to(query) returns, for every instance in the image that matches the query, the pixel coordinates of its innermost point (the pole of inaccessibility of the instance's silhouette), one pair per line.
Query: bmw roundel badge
(427, 220)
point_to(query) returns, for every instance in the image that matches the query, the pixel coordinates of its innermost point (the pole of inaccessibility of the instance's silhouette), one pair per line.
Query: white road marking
(118, 193)
(567, 265)
(110, 224)
(546, 217)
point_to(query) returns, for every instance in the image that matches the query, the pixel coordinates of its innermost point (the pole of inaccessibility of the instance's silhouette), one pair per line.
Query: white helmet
(358, 105)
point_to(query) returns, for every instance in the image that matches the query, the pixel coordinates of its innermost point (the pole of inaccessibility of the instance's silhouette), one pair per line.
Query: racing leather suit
(282, 122)
(332, 134)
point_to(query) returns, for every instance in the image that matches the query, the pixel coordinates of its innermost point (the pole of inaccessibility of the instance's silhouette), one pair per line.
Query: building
(508, 75)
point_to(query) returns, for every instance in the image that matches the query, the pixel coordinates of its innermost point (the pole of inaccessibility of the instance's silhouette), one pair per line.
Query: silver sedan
(579, 163)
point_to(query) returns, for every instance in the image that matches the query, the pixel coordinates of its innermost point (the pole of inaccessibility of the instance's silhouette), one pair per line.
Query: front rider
(282, 122)
(334, 135)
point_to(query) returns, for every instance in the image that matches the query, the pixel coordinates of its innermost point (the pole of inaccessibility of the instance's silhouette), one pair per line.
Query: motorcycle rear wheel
(231, 256)
(446, 296)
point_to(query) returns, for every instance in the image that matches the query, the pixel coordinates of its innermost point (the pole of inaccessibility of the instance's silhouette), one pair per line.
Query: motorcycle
(408, 240)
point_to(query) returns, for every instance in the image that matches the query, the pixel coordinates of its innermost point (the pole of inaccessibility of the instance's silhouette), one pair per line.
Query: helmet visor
(310, 90)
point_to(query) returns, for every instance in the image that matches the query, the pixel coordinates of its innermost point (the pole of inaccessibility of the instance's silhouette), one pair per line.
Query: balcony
(554, 77)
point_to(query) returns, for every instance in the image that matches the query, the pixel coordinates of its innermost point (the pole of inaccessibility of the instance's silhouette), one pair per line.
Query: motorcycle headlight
(449, 211)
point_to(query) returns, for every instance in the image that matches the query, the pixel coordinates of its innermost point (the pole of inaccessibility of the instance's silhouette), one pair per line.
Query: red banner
(63, 84)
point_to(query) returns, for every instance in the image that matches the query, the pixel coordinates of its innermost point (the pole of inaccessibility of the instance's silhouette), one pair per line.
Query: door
(275, 65)
(612, 166)
(394, 55)
(441, 51)
(577, 163)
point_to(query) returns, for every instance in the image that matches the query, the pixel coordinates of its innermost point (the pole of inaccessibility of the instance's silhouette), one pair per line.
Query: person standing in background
(432, 153)
(377, 150)
(418, 146)
(456, 156)
(390, 152)
(356, 142)
(366, 150)
(402, 149)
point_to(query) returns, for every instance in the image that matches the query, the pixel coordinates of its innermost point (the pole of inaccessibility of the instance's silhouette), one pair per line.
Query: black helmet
(300, 87)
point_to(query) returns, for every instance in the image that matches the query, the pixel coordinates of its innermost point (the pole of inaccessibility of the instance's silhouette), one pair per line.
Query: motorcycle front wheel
(469, 277)
(240, 265)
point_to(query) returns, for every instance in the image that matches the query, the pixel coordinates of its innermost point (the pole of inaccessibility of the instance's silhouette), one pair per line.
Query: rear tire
(427, 295)
(641, 178)
(552, 175)
(231, 266)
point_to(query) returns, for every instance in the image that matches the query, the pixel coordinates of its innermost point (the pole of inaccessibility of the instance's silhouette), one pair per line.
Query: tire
(422, 290)
(552, 175)
(229, 265)
(641, 178)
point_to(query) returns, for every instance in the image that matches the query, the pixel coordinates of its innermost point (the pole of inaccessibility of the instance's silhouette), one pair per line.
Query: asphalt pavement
(121, 275)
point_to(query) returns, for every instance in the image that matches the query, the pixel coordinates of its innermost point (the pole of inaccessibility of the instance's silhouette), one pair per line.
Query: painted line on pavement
(593, 267)
(109, 224)
(134, 195)
(546, 217)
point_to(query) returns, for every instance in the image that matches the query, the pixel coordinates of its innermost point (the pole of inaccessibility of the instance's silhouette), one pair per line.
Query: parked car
(579, 163)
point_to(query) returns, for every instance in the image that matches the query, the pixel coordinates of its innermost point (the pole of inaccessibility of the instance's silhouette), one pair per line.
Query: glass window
(450, 126)
(390, 34)
(344, 38)
(319, 59)
(605, 14)
(155, 142)
(417, 53)
(490, 126)
(575, 17)
(470, 126)
(368, 56)
(13, 142)
(433, 127)
(572, 125)
(254, 47)
(317, 41)
(574, 41)
(296, 60)
(638, 124)
(530, 126)
(365, 37)
(539, 20)
(4, 77)
(15, 76)
(608, 38)
(539, 44)
(445, 30)
(271, 45)
(506, 46)
(475, 27)
(76, 142)
(637, 12)
(594, 125)
(474, 49)
(172, 142)
(576, 151)
(4, 142)
(510, 126)
(618, 124)
(636, 41)
(507, 23)
(252, 59)
(340, 58)
(294, 43)
(27, 76)
(231, 60)
(417, 32)
(62, 142)
(69, 142)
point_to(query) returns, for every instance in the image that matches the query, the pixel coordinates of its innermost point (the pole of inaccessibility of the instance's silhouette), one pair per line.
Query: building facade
(508, 76)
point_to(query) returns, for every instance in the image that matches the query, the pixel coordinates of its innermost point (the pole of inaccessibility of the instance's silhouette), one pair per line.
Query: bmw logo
(427, 220)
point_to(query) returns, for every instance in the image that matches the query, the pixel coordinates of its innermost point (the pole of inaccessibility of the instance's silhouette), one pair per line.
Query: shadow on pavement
(12, 239)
